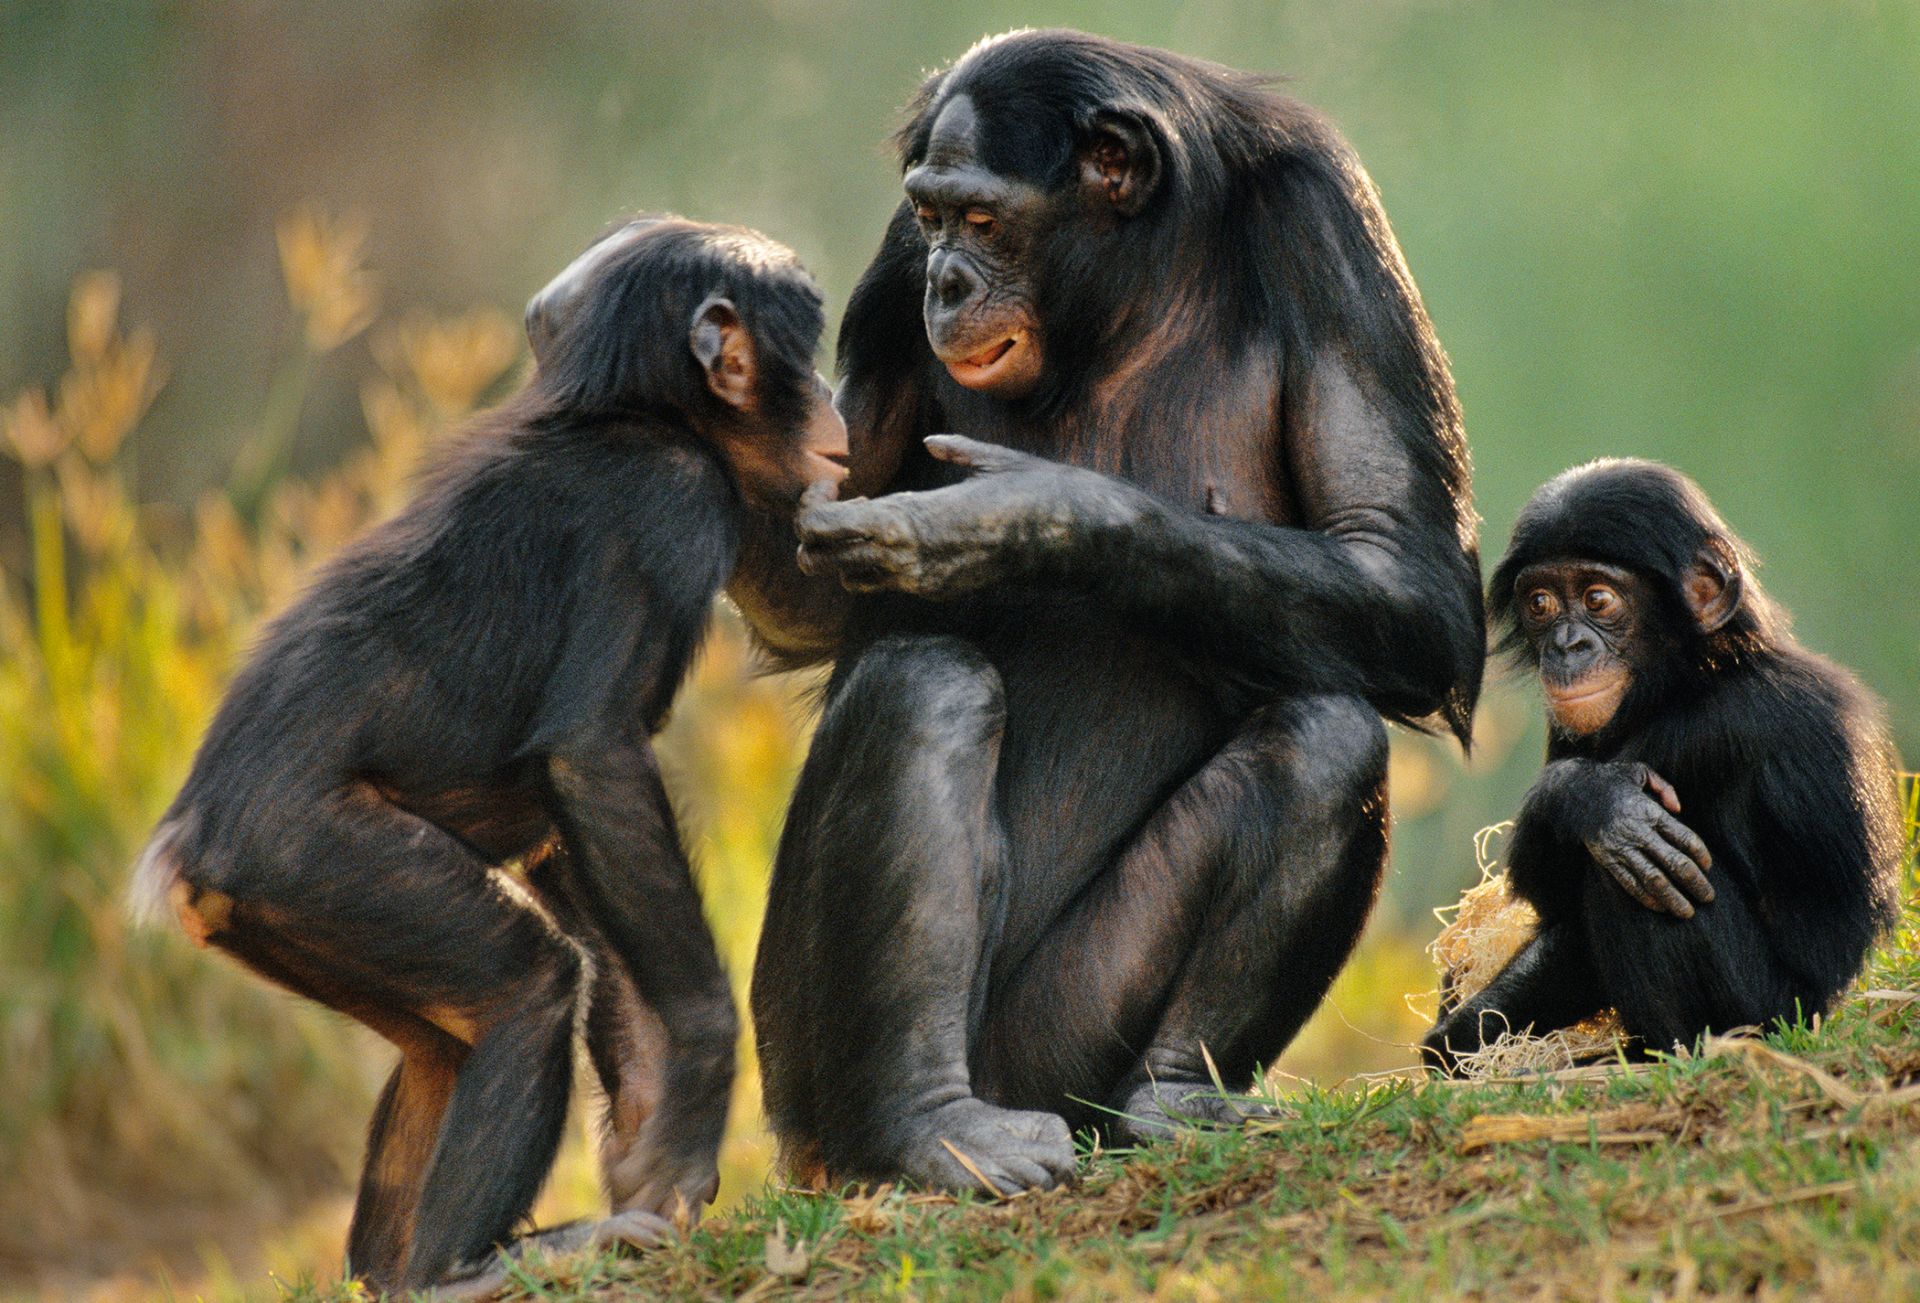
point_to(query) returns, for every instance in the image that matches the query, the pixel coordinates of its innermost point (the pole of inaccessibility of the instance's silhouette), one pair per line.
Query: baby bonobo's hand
(1637, 839)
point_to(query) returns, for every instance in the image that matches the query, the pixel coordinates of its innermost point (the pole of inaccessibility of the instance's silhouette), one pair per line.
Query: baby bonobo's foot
(972, 1145)
(483, 1280)
(1158, 1109)
(1436, 1053)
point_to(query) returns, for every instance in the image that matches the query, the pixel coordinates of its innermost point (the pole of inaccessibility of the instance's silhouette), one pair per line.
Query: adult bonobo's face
(1589, 625)
(983, 231)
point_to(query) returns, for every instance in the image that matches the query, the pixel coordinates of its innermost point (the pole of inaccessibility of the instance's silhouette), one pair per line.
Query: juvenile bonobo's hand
(1015, 518)
(1637, 839)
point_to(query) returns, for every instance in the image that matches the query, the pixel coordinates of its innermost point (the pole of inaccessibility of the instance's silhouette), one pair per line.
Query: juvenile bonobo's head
(715, 326)
(1033, 169)
(1622, 585)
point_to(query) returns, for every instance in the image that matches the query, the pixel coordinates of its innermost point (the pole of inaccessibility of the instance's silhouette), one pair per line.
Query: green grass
(1787, 1166)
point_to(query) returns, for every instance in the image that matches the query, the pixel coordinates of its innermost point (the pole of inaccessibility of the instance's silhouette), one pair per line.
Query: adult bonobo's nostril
(951, 279)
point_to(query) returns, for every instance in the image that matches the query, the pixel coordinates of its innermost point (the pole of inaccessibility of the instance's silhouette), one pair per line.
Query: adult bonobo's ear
(1711, 585)
(1121, 161)
(724, 350)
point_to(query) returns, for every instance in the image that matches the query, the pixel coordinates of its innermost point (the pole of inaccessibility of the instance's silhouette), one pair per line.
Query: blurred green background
(1689, 231)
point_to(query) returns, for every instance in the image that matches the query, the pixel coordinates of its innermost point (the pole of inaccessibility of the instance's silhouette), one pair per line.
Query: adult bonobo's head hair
(1062, 183)
(1620, 579)
(715, 326)
(587, 325)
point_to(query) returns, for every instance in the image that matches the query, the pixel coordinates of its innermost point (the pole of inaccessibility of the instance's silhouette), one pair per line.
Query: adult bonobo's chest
(1213, 446)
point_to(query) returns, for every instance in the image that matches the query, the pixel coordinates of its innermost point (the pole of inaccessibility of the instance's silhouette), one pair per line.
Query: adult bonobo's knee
(1146, 414)
(1715, 838)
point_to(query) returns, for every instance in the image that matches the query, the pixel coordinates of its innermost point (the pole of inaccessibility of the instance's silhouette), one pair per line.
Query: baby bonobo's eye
(1603, 601)
(1541, 606)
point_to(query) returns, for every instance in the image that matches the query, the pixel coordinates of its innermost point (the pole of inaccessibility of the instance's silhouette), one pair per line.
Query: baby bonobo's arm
(1626, 817)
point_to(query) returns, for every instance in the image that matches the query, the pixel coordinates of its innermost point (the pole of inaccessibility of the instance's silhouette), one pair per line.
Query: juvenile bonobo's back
(474, 684)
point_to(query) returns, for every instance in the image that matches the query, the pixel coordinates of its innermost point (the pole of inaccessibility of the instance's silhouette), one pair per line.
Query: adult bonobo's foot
(1157, 1109)
(972, 1145)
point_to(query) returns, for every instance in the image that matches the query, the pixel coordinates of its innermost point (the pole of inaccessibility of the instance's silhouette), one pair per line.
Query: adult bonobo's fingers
(828, 522)
(1661, 788)
(819, 493)
(972, 453)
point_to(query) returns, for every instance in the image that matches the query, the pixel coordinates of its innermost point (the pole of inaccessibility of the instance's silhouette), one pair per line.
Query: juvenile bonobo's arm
(630, 874)
(1377, 593)
(1625, 817)
(796, 617)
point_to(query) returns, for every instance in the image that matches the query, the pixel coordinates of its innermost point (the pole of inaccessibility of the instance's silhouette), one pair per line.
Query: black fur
(1781, 764)
(1114, 796)
(474, 682)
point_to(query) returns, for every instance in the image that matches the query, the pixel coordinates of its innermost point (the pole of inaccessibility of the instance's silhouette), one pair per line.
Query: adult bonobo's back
(1100, 783)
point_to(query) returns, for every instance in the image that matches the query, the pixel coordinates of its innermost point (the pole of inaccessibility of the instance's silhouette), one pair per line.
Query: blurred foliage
(1680, 231)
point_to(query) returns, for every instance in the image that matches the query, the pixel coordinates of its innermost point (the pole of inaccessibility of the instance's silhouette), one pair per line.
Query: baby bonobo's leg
(1550, 983)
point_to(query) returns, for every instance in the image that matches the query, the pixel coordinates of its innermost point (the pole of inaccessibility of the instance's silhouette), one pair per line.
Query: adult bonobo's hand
(1016, 518)
(1636, 838)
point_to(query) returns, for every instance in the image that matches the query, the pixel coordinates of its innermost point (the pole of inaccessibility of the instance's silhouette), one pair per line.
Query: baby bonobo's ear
(1711, 585)
(724, 350)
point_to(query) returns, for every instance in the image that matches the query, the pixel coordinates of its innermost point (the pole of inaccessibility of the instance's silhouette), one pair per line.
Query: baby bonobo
(430, 799)
(1713, 842)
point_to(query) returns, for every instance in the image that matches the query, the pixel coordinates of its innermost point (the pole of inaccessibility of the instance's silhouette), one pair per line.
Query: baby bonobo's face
(1586, 622)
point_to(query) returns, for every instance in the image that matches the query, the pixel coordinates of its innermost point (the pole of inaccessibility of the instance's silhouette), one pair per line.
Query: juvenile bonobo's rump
(1715, 839)
(1158, 500)
(475, 683)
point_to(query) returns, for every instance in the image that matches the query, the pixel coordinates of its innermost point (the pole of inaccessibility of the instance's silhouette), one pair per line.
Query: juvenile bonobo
(1714, 840)
(1097, 801)
(475, 683)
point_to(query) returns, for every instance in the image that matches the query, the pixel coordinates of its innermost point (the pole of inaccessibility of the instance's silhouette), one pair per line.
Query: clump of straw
(1483, 932)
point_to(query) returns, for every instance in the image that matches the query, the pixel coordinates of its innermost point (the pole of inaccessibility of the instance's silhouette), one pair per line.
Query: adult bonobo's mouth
(1005, 368)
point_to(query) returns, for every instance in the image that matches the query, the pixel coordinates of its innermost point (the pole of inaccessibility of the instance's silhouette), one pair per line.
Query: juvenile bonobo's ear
(1711, 585)
(1121, 162)
(724, 350)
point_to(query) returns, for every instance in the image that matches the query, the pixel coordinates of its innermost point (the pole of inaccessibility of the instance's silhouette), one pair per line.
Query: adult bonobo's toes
(971, 1145)
(1160, 1108)
(484, 1280)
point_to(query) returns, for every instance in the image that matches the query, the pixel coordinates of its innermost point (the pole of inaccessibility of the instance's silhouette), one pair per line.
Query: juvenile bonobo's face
(823, 441)
(1587, 623)
(980, 229)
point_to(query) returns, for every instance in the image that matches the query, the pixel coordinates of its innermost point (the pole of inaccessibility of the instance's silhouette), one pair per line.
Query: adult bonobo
(1715, 840)
(1099, 787)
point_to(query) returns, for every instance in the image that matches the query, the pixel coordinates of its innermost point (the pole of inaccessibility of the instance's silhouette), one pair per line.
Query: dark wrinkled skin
(1758, 898)
(474, 684)
(1096, 807)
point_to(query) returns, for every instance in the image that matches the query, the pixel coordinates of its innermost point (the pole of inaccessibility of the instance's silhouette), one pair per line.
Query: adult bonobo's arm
(1375, 591)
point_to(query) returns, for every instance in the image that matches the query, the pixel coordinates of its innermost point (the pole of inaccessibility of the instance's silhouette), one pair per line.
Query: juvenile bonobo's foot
(1009, 1150)
(1157, 1109)
(1437, 1054)
(636, 1230)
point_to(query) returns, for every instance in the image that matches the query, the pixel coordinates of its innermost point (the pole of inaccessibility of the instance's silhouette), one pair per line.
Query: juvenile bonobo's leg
(1221, 926)
(1551, 982)
(886, 897)
(626, 1040)
(1671, 979)
(385, 918)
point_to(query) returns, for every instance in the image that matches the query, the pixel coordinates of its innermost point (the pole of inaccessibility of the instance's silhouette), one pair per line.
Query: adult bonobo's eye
(926, 216)
(1541, 606)
(1603, 601)
(982, 221)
